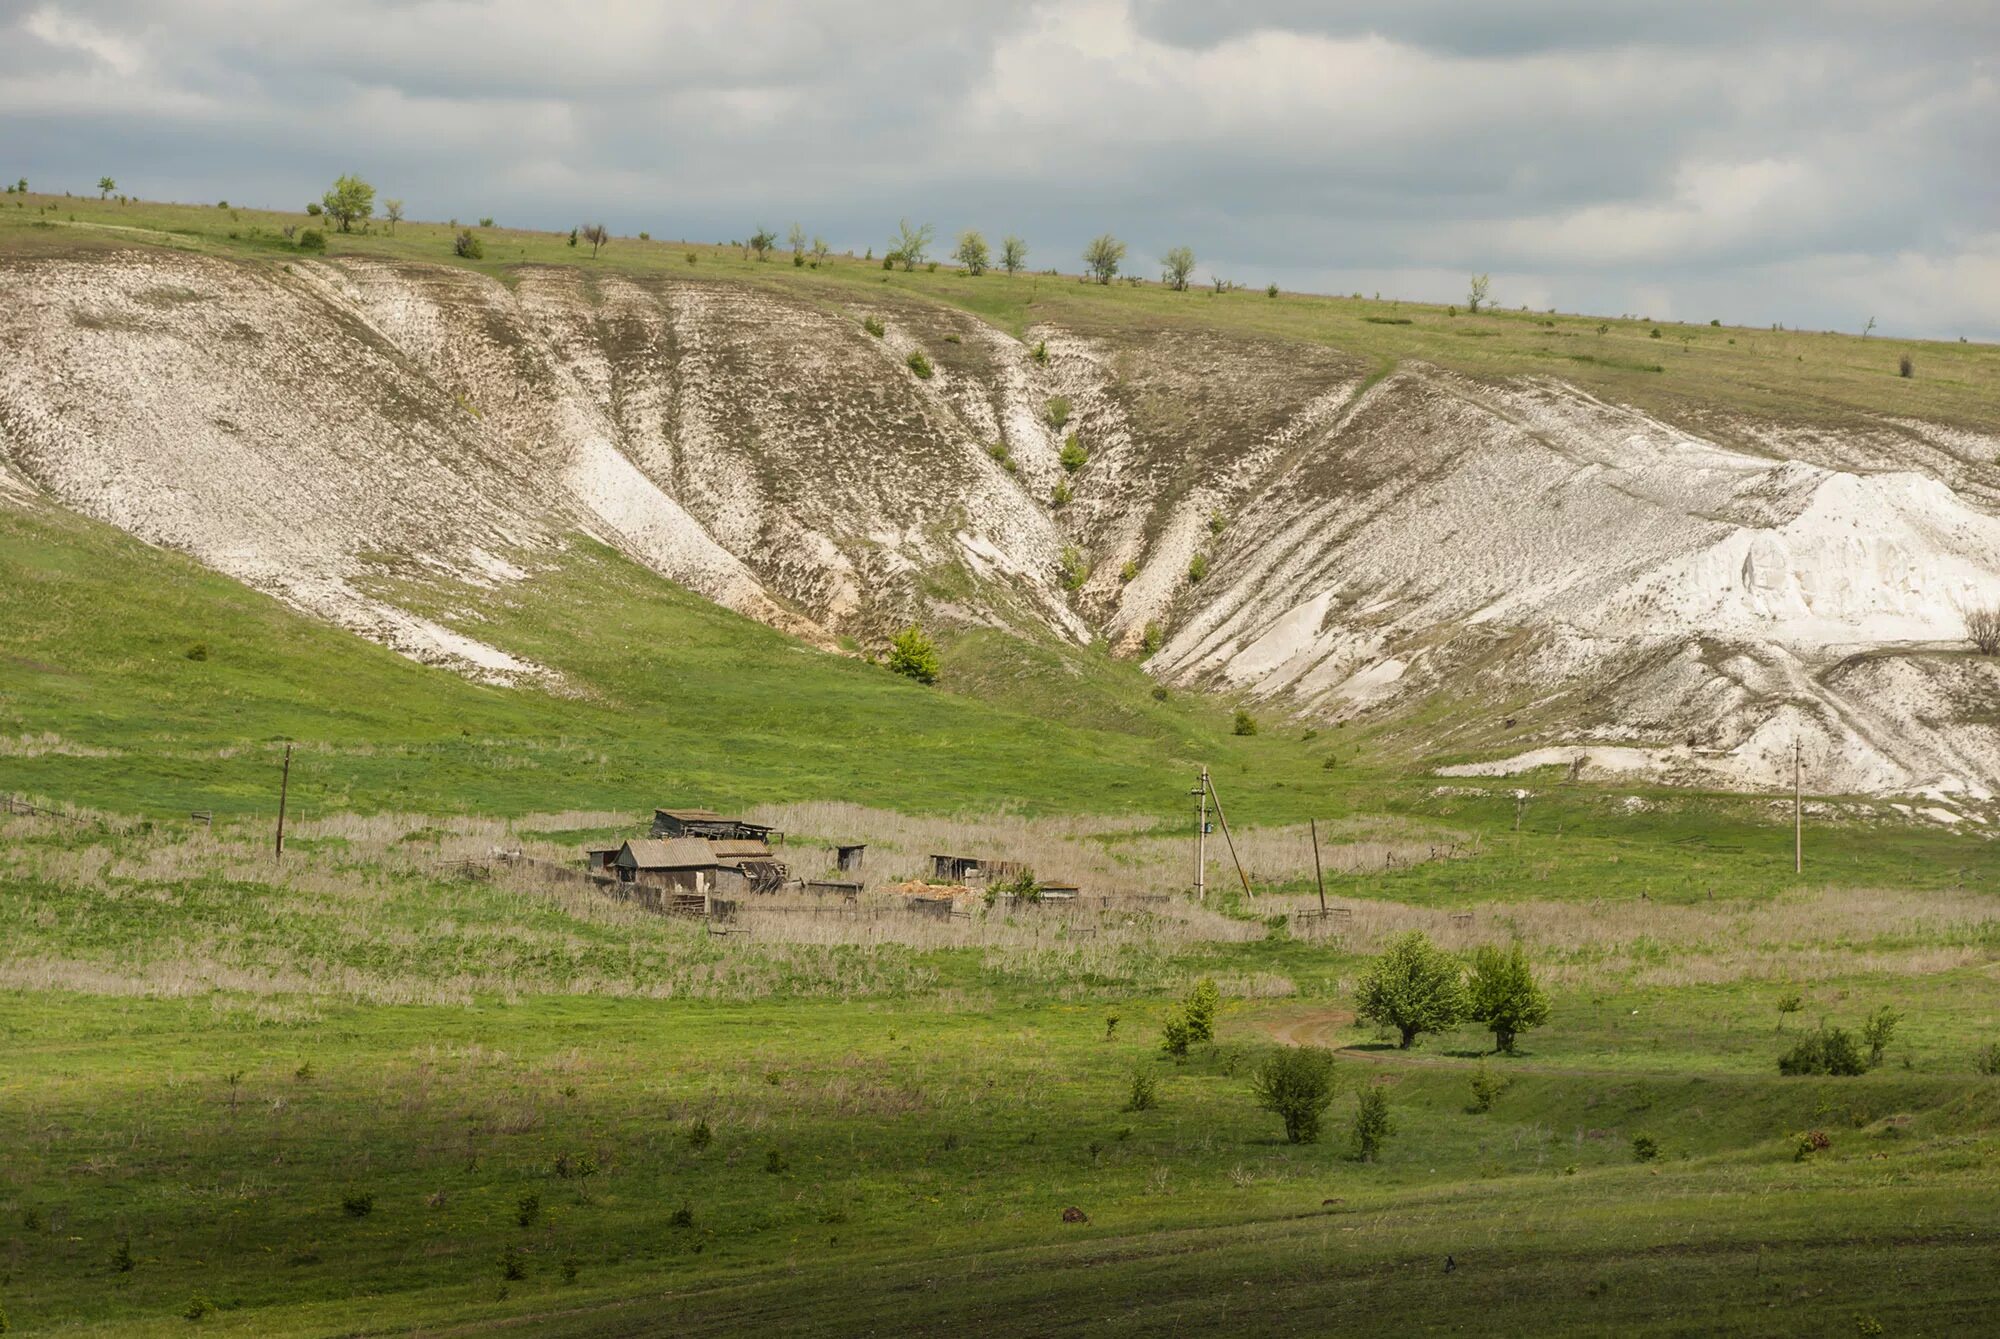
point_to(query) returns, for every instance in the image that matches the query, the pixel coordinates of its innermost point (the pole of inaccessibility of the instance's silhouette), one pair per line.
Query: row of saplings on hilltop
(1416, 987)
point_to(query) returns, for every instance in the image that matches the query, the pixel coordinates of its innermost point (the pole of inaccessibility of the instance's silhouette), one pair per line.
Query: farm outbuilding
(709, 826)
(688, 864)
(973, 871)
(847, 859)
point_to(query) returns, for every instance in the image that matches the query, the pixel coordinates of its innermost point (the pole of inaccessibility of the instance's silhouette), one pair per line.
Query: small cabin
(686, 864)
(601, 859)
(710, 826)
(847, 859)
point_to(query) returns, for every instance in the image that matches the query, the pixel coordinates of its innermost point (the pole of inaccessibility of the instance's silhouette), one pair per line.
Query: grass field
(347, 1095)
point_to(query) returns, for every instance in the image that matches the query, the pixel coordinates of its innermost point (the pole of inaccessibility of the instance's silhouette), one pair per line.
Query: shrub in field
(121, 1255)
(1102, 257)
(1197, 569)
(920, 365)
(1149, 641)
(1128, 571)
(1372, 1126)
(914, 655)
(1295, 1084)
(872, 326)
(1175, 1035)
(312, 239)
(1504, 996)
(1061, 494)
(1271, 291)
(1040, 353)
(467, 245)
(358, 1205)
(1988, 1060)
(1071, 570)
(1073, 457)
(1057, 409)
(199, 651)
(775, 1162)
(699, 1136)
(1245, 723)
(1199, 1008)
(1110, 1026)
(1645, 1148)
(314, 209)
(1878, 1031)
(570, 1268)
(1809, 1143)
(513, 1264)
(1145, 1092)
(528, 1209)
(1414, 987)
(348, 201)
(1906, 366)
(1982, 628)
(198, 1307)
(682, 1217)
(1486, 1089)
(1788, 1003)
(1159, 693)
(1827, 1051)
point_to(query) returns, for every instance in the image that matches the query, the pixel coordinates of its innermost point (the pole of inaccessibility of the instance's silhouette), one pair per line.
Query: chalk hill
(1509, 571)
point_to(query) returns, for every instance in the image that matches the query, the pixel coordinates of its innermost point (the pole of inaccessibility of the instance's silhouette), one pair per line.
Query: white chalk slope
(1564, 575)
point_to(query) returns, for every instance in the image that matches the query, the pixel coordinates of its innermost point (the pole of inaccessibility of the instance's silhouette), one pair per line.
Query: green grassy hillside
(1699, 370)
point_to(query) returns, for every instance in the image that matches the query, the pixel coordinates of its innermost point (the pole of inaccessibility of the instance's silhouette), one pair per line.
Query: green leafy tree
(972, 252)
(1414, 987)
(1200, 1008)
(1178, 268)
(350, 201)
(1103, 256)
(1830, 1050)
(911, 244)
(392, 210)
(762, 241)
(914, 655)
(820, 251)
(796, 238)
(1504, 995)
(1295, 1084)
(1878, 1031)
(105, 186)
(1476, 297)
(1372, 1126)
(1013, 254)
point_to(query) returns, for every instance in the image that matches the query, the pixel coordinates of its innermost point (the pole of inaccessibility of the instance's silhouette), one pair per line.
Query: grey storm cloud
(1811, 163)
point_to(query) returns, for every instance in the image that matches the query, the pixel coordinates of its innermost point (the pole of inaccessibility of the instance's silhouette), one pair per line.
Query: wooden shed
(709, 825)
(688, 864)
(972, 871)
(847, 859)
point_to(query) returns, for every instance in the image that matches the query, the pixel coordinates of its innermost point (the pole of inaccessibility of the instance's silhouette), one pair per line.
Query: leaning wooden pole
(1798, 814)
(1312, 825)
(1224, 819)
(284, 790)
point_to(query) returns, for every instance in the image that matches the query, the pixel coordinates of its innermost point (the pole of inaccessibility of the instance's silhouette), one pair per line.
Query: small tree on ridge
(349, 201)
(1179, 265)
(1102, 257)
(1413, 987)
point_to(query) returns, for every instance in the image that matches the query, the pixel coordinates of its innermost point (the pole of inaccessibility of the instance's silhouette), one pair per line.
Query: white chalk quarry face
(1576, 574)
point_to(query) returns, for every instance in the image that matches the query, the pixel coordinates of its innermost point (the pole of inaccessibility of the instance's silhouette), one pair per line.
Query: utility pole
(1223, 818)
(1200, 792)
(1312, 825)
(284, 789)
(1798, 815)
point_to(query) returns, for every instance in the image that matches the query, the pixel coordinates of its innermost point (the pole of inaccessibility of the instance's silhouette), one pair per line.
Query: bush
(1073, 456)
(1040, 353)
(528, 1209)
(1486, 1090)
(486, 222)
(571, 1266)
(1057, 408)
(1159, 693)
(1175, 1035)
(1199, 1009)
(199, 651)
(1789, 1003)
(872, 326)
(1271, 291)
(1878, 1031)
(121, 1256)
(1295, 1084)
(1145, 1092)
(1215, 523)
(1128, 571)
(1372, 1126)
(1982, 628)
(699, 1136)
(314, 208)
(468, 246)
(914, 655)
(198, 1307)
(1809, 1143)
(1197, 569)
(513, 1265)
(312, 239)
(1987, 1061)
(1060, 495)
(1149, 642)
(682, 1217)
(1413, 987)
(358, 1205)
(1645, 1148)
(1504, 996)
(1071, 569)
(1827, 1051)
(920, 365)
(1102, 257)
(347, 202)
(1906, 367)
(775, 1162)
(1246, 724)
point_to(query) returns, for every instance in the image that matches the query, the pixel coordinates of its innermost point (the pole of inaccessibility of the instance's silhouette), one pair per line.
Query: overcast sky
(1752, 160)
